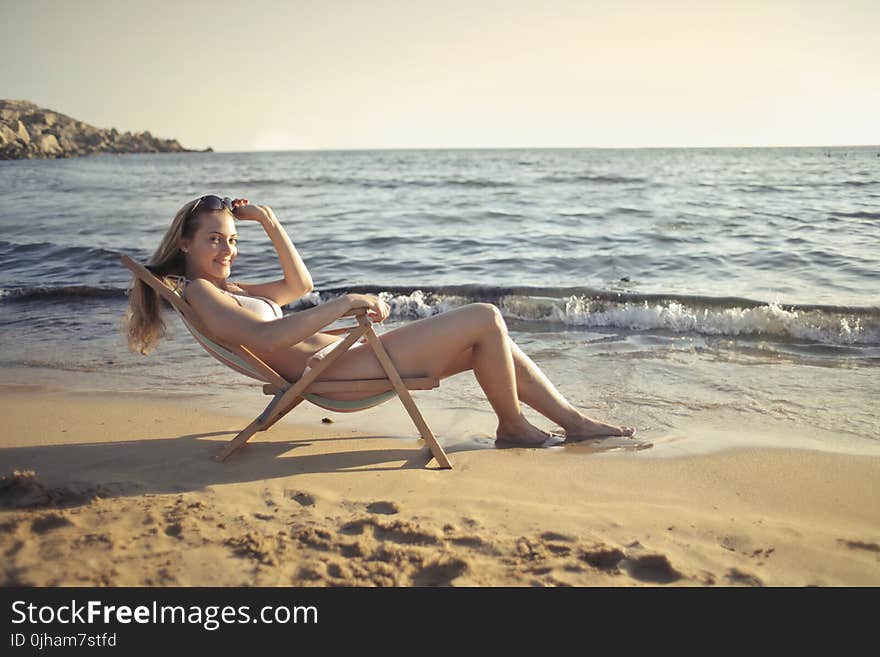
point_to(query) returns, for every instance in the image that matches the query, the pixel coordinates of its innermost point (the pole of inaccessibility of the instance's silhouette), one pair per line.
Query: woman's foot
(523, 433)
(586, 427)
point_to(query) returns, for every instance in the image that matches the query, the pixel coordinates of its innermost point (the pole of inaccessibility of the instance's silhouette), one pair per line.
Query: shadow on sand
(72, 474)
(175, 465)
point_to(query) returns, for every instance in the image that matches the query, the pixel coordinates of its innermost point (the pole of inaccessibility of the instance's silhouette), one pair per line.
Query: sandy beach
(118, 490)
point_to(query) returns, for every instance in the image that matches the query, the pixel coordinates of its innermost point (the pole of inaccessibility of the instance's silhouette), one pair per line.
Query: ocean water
(709, 297)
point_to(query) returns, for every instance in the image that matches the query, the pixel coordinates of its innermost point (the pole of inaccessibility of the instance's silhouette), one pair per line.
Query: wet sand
(119, 490)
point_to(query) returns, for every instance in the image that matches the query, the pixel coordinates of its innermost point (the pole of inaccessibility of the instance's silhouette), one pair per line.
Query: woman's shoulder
(200, 288)
(197, 291)
(235, 288)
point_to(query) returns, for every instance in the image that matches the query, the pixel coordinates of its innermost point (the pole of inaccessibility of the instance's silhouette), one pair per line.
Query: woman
(200, 247)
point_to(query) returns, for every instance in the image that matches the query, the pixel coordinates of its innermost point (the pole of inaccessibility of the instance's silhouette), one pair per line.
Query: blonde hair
(143, 318)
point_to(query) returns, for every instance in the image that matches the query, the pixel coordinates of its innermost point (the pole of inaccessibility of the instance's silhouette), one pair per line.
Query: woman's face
(210, 252)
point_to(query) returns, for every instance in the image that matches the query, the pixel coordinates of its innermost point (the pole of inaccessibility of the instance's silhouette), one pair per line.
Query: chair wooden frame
(289, 394)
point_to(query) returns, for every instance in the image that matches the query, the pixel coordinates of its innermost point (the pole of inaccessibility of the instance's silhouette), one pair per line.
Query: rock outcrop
(29, 132)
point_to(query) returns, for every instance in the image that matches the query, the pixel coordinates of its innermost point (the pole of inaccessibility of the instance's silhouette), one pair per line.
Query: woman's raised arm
(297, 281)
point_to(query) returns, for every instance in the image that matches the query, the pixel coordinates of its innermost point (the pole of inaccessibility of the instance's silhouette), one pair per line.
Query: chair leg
(425, 430)
(266, 419)
(287, 400)
(281, 414)
(238, 441)
(406, 398)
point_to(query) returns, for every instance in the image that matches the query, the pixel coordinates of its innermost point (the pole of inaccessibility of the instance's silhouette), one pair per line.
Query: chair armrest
(354, 312)
(351, 313)
(344, 329)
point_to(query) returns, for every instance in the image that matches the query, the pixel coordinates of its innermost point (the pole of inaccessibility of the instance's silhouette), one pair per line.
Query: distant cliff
(29, 132)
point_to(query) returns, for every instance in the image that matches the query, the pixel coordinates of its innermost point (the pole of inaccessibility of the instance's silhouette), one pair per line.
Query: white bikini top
(258, 305)
(262, 306)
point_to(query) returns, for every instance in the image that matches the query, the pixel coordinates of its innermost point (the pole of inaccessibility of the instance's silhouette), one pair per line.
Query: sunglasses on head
(212, 203)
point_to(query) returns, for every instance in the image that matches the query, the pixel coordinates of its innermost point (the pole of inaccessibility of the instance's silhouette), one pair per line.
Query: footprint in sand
(440, 573)
(474, 542)
(303, 498)
(603, 558)
(653, 568)
(49, 522)
(386, 508)
(737, 576)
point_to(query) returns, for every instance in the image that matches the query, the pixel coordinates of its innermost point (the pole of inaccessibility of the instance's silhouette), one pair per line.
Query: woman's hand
(377, 310)
(244, 211)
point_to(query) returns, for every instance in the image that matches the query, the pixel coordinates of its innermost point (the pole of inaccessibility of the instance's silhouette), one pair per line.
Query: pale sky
(249, 75)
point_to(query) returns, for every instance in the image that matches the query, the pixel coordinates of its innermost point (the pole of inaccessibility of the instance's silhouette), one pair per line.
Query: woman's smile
(212, 250)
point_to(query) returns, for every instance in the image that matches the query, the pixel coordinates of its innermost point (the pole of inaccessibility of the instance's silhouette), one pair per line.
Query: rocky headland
(30, 132)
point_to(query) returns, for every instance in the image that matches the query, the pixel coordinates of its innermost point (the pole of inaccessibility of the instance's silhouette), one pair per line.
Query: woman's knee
(490, 314)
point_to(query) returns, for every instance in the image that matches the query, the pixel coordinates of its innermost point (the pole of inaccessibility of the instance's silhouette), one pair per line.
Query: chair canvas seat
(237, 363)
(289, 394)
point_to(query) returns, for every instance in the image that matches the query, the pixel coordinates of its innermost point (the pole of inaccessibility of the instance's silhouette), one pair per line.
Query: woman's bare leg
(427, 347)
(536, 390)
(495, 370)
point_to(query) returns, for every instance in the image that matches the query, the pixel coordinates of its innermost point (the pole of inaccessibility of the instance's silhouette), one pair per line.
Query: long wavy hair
(144, 323)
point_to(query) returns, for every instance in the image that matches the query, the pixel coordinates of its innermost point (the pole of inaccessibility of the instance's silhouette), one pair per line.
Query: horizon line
(546, 148)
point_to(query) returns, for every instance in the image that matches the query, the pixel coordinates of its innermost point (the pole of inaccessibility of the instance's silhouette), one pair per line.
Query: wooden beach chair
(289, 394)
